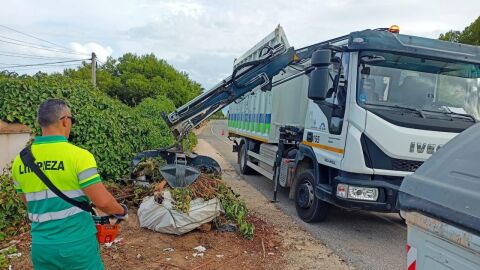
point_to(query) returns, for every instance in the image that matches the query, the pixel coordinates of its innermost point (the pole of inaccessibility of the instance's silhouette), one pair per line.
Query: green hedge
(111, 130)
(13, 215)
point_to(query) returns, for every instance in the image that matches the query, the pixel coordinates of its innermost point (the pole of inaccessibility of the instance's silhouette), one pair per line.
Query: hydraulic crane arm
(245, 78)
(182, 169)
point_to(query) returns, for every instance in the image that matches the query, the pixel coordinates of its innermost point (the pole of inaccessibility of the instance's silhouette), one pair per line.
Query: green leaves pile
(182, 198)
(235, 210)
(234, 207)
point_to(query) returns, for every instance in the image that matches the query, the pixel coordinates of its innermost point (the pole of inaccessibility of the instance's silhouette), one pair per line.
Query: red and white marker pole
(411, 257)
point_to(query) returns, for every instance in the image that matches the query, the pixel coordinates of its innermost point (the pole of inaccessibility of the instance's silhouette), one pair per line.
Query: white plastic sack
(163, 218)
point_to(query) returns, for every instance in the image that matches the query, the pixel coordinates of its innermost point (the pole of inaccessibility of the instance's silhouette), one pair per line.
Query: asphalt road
(365, 240)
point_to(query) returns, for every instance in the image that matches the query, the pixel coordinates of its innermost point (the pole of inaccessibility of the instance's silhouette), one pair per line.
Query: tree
(451, 35)
(133, 78)
(105, 80)
(470, 35)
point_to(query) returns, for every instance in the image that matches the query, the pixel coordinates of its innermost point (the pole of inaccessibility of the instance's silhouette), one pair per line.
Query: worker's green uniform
(63, 236)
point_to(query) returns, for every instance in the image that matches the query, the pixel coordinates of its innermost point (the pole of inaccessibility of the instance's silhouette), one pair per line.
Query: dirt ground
(300, 249)
(145, 249)
(279, 242)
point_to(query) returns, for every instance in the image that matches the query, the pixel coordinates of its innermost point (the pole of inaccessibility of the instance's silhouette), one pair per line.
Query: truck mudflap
(387, 200)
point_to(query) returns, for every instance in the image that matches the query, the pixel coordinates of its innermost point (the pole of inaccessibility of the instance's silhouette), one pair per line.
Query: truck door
(324, 129)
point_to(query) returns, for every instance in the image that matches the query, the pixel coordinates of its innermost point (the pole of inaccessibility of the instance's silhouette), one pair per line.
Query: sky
(200, 37)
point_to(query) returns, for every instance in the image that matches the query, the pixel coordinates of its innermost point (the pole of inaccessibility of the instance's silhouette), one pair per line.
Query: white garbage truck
(346, 122)
(340, 122)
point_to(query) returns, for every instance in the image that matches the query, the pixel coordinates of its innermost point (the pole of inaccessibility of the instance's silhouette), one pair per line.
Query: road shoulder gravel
(303, 250)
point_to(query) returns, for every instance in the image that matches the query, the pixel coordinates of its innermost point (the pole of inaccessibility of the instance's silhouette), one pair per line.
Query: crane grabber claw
(180, 169)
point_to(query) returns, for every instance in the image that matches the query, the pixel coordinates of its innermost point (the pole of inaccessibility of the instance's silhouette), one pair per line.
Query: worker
(63, 235)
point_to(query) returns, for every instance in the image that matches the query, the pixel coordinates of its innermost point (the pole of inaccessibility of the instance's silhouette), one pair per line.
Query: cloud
(185, 8)
(202, 37)
(101, 51)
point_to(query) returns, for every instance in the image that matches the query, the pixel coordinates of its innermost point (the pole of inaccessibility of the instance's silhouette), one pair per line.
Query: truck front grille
(405, 165)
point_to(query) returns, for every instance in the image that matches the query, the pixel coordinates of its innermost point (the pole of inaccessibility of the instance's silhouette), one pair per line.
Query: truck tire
(243, 157)
(309, 208)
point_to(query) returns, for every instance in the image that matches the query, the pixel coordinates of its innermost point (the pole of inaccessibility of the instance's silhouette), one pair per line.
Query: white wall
(10, 146)
(13, 138)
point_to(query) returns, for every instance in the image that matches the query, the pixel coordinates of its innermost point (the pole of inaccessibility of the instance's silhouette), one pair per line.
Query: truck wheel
(244, 169)
(309, 207)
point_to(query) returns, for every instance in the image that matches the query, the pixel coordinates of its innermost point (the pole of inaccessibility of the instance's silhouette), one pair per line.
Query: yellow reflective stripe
(88, 179)
(54, 215)
(324, 147)
(91, 181)
(88, 173)
(47, 194)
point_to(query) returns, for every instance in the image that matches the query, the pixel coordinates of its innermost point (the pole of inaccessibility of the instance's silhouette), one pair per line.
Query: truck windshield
(416, 84)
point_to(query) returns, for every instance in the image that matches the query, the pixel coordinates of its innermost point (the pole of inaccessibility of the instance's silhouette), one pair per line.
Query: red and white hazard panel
(411, 257)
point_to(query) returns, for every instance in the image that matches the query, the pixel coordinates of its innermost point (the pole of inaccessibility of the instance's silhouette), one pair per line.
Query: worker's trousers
(81, 255)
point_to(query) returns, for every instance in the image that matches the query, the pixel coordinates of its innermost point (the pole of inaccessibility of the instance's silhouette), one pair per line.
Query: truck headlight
(363, 193)
(357, 193)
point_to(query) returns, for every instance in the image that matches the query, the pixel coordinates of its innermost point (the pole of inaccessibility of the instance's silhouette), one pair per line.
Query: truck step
(262, 171)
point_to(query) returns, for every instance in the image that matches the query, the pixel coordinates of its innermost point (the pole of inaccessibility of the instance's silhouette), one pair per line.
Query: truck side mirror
(321, 58)
(319, 77)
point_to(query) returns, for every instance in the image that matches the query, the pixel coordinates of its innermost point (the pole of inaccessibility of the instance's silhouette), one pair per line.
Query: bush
(150, 111)
(13, 215)
(111, 130)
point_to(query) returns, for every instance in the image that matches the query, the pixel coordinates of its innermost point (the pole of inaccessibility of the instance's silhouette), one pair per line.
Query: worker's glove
(125, 215)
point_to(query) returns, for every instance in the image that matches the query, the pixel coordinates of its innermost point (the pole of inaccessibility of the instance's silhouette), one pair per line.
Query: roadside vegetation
(115, 120)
